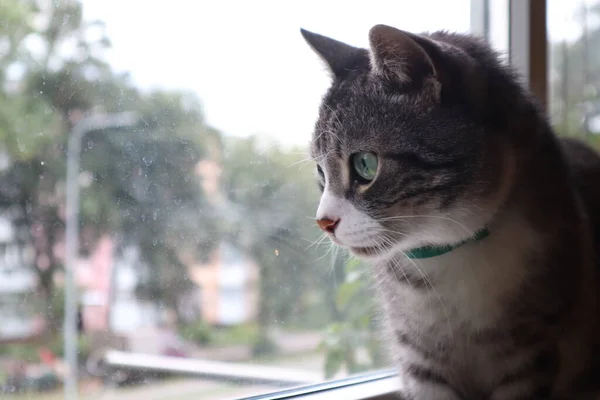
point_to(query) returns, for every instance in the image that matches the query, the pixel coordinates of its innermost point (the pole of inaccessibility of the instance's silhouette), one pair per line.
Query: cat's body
(458, 147)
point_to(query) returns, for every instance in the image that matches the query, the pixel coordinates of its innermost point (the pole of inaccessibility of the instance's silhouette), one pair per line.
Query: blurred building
(228, 282)
(18, 283)
(226, 285)
(108, 279)
(227, 290)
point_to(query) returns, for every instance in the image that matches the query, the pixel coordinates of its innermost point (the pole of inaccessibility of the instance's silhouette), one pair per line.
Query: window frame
(528, 54)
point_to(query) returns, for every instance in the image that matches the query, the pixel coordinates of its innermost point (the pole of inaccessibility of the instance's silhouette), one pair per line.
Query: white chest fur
(468, 283)
(471, 286)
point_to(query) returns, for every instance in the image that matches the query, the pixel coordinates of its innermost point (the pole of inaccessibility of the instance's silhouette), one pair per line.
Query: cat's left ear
(338, 56)
(402, 56)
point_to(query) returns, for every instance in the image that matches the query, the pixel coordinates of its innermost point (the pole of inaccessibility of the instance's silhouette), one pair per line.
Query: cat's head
(404, 153)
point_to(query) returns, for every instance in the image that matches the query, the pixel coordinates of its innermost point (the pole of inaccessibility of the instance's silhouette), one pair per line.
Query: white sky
(247, 61)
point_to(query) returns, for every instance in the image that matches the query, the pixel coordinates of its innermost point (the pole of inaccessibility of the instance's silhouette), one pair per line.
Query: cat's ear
(400, 55)
(337, 55)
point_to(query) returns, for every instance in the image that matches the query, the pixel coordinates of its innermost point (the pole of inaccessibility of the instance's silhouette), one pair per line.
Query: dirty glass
(574, 68)
(157, 200)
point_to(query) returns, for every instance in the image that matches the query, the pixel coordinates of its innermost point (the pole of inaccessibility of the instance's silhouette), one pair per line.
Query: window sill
(379, 385)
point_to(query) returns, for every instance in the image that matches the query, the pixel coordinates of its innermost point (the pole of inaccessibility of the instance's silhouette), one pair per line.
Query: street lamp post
(100, 122)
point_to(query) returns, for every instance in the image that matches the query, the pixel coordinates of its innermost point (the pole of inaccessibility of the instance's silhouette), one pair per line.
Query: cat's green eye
(365, 165)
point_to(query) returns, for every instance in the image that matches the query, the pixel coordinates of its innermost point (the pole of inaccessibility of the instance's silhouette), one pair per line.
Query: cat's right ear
(399, 55)
(337, 56)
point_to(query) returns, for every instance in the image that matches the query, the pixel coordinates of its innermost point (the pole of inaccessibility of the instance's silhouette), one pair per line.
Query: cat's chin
(368, 253)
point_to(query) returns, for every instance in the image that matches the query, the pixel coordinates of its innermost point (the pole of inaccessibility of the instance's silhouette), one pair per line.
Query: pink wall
(94, 277)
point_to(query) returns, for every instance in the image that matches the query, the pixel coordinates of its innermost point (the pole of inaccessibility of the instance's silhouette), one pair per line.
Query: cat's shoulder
(580, 155)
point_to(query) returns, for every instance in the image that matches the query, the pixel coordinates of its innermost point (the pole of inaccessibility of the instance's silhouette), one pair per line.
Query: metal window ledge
(382, 385)
(375, 385)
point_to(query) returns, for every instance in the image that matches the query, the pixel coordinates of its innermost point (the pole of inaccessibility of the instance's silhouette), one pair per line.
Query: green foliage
(23, 138)
(271, 195)
(57, 346)
(30, 351)
(352, 343)
(247, 334)
(264, 345)
(22, 351)
(574, 80)
(142, 186)
(198, 332)
(202, 334)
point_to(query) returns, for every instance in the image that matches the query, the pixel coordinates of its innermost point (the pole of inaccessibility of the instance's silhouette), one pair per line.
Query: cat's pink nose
(327, 224)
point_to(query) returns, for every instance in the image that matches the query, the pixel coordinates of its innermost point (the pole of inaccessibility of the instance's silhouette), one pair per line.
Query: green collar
(434, 251)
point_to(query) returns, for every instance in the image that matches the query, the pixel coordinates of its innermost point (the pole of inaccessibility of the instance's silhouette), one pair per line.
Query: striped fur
(462, 146)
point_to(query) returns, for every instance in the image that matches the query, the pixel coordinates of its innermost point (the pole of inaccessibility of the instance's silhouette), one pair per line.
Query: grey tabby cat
(482, 227)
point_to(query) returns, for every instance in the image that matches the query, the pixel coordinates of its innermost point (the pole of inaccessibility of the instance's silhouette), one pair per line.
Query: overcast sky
(246, 59)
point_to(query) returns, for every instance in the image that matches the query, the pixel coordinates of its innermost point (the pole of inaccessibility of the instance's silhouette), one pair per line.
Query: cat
(482, 228)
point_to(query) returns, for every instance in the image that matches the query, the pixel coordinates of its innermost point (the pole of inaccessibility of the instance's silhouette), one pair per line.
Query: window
(574, 62)
(192, 267)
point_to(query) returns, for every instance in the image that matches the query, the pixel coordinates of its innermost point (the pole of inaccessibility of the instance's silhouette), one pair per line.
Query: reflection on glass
(198, 250)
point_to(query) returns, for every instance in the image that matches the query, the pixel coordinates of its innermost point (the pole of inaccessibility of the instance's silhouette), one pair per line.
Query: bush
(83, 346)
(198, 332)
(263, 345)
(353, 342)
(244, 334)
(27, 352)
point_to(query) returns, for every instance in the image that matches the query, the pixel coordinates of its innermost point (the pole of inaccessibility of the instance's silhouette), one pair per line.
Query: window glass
(499, 25)
(198, 267)
(574, 68)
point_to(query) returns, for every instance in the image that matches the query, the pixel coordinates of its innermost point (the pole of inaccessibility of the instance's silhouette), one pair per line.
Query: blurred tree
(353, 341)
(272, 199)
(140, 183)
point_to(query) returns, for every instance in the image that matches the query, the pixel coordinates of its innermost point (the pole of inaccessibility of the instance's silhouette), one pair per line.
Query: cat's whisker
(301, 153)
(327, 131)
(324, 156)
(425, 278)
(337, 120)
(404, 217)
(437, 294)
(308, 159)
(263, 151)
(317, 242)
(333, 250)
(381, 229)
(396, 263)
(304, 162)
(334, 259)
(329, 250)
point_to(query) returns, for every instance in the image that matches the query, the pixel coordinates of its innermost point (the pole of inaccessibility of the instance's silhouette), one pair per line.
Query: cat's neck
(471, 281)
